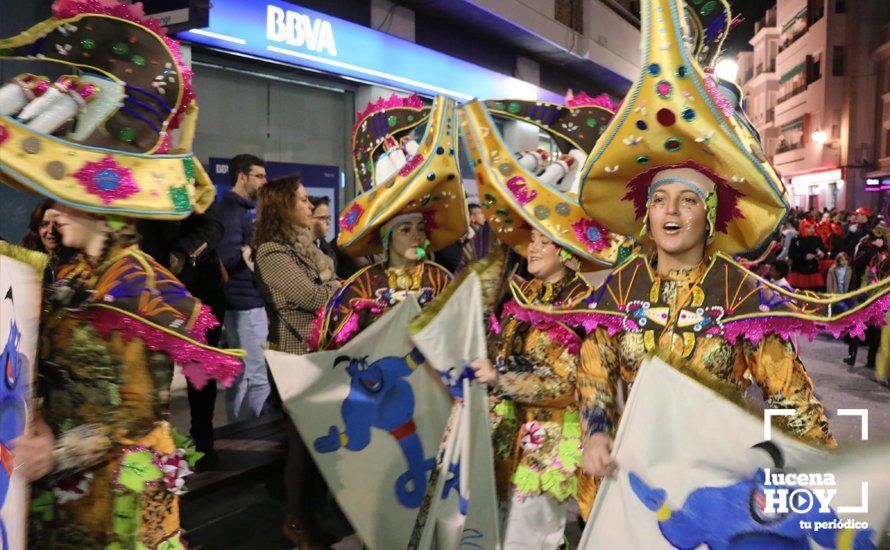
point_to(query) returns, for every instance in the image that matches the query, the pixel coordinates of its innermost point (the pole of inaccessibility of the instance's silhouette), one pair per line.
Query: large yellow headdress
(676, 118)
(404, 176)
(517, 198)
(100, 141)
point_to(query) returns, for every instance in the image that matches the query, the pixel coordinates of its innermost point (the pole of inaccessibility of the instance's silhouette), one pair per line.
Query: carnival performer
(106, 465)
(415, 206)
(296, 279)
(536, 373)
(680, 165)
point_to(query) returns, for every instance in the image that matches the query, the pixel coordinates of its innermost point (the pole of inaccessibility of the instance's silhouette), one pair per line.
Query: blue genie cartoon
(733, 518)
(381, 397)
(12, 406)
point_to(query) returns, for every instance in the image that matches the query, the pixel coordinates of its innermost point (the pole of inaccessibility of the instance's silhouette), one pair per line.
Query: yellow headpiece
(676, 117)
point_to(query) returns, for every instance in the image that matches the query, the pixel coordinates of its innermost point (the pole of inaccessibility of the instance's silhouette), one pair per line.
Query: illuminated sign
(877, 184)
(295, 35)
(817, 178)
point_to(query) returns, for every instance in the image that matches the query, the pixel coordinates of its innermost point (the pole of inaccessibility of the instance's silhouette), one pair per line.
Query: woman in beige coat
(296, 279)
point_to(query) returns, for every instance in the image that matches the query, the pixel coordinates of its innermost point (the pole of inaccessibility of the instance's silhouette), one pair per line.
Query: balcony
(785, 147)
(795, 92)
(768, 20)
(771, 115)
(770, 68)
(792, 39)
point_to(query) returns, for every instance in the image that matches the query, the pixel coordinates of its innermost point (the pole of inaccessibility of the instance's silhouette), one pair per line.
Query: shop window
(571, 14)
(837, 62)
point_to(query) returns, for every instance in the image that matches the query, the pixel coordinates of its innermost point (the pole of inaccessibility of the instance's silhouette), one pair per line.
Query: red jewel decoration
(666, 117)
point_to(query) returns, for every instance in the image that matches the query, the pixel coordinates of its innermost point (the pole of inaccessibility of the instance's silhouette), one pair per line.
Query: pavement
(242, 506)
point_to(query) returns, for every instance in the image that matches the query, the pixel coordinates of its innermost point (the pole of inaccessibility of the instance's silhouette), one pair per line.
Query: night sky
(751, 11)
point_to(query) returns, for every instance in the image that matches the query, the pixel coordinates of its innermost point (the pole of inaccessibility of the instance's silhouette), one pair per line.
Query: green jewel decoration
(591, 122)
(138, 60)
(642, 159)
(392, 120)
(179, 196)
(127, 134)
(88, 43)
(410, 118)
(514, 107)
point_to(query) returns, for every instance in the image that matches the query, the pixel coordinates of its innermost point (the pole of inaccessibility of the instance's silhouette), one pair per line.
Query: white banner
(21, 279)
(697, 471)
(468, 516)
(373, 417)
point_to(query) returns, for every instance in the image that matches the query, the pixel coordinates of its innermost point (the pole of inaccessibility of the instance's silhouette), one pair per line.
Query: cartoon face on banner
(20, 289)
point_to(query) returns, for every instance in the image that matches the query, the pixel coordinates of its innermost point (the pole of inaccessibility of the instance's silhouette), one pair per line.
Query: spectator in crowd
(805, 252)
(857, 230)
(296, 279)
(245, 324)
(43, 236)
(789, 233)
(188, 248)
(839, 280)
(321, 225)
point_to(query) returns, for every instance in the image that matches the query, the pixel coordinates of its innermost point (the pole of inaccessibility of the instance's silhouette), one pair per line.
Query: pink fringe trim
(198, 364)
(205, 321)
(394, 102)
(587, 321)
(314, 336)
(854, 324)
(544, 321)
(350, 328)
(582, 99)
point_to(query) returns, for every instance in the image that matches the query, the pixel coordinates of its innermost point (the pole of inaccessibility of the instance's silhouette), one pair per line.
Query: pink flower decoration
(518, 186)
(4, 134)
(107, 179)
(593, 235)
(350, 218)
(533, 436)
(175, 468)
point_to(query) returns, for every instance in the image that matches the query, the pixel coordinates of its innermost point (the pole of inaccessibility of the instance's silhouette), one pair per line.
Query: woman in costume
(296, 278)
(413, 204)
(806, 251)
(681, 165)
(536, 372)
(107, 466)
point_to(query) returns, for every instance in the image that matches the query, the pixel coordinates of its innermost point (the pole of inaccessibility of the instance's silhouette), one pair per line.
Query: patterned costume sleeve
(598, 378)
(352, 309)
(545, 376)
(776, 368)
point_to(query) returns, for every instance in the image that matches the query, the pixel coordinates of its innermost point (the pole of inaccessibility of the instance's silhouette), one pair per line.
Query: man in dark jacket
(246, 325)
(188, 249)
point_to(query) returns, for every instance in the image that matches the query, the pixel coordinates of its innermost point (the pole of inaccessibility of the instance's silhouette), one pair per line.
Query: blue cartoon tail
(415, 478)
(652, 498)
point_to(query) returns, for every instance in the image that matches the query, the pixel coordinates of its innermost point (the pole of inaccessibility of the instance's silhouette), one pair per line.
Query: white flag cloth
(697, 471)
(21, 280)
(466, 517)
(372, 416)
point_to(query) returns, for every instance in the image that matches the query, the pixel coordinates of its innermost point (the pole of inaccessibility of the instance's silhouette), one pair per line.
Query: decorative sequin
(88, 43)
(654, 69)
(392, 120)
(31, 145)
(688, 114)
(682, 71)
(542, 212)
(514, 107)
(519, 187)
(55, 169)
(664, 89)
(708, 8)
(563, 208)
(138, 60)
(641, 125)
(505, 168)
(179, 196)
(673, 144)
(431, 176)
(127, 134)
(666, 117)
(107, 179)
(410, 118)
(642, 159)
(592, 122)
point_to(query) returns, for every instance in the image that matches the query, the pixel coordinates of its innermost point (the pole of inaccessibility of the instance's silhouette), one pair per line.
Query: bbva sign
(299, 30)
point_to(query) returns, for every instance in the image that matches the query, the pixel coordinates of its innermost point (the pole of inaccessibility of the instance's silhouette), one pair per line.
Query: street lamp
(727, 69)
(819, 136)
